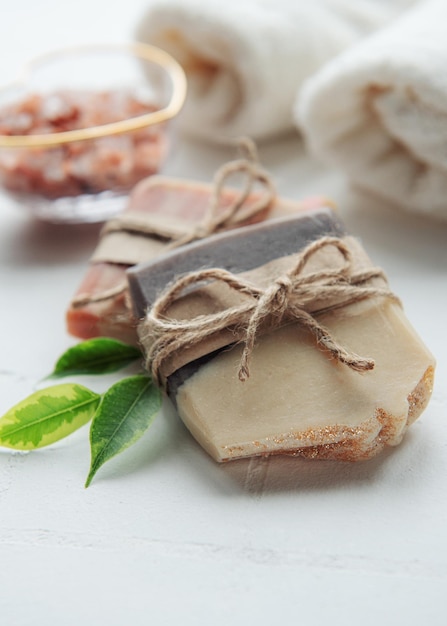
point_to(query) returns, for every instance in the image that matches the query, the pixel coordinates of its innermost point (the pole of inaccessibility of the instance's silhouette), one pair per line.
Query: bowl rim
(144, 51)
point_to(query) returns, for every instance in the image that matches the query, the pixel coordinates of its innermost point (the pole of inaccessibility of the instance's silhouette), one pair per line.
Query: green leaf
(47, 416)
(125, 413)
(101, 355)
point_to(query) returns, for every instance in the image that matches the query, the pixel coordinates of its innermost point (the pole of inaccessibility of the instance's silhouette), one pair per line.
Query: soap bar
(240, 251)
(298, 399)
(100, 306)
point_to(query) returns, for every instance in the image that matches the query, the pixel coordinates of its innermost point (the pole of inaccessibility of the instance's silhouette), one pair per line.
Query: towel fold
(379, 111)
(245, 59)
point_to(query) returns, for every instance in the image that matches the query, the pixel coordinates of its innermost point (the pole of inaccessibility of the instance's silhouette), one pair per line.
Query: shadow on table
(278, 474)
(37, 242)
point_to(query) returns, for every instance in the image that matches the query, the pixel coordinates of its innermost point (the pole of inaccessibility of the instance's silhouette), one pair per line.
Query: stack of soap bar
(181, 204)
(297, 400)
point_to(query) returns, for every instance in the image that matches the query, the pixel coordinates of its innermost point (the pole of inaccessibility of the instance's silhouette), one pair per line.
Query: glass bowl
(83, 125)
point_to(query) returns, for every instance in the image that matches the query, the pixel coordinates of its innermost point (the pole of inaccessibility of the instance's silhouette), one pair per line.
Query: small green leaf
(47, 416)
(125, 413)
(101, 355)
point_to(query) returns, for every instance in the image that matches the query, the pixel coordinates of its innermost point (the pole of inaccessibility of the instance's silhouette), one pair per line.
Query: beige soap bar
(298, 399)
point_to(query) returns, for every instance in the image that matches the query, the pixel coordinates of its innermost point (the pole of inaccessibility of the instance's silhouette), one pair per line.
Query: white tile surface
(164, 535)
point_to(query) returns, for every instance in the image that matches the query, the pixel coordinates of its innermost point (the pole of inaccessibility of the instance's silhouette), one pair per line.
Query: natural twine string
(293, 294)
(214, 220)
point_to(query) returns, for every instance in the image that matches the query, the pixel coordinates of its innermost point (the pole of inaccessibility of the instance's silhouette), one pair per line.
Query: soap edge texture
(350, 444)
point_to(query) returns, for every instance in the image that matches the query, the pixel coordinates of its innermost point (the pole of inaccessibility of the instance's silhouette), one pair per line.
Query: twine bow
(290, 296)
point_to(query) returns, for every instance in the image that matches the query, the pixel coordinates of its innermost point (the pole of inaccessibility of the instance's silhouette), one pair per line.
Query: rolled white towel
(379, 111)
(245, 59)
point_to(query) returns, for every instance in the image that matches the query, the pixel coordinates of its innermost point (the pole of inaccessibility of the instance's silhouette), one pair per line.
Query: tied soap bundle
(246, 59)
(282, 338)
(379, 111)
(163, 213)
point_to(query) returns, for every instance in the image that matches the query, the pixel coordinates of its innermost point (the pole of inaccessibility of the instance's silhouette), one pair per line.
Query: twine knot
(292, 295)
(277, 296)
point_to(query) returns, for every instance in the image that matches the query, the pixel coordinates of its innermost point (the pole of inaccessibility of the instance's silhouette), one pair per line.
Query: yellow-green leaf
(47, 416)
(125, 413)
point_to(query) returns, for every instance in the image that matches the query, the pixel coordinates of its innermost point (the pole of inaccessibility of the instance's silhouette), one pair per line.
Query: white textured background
(164, 535)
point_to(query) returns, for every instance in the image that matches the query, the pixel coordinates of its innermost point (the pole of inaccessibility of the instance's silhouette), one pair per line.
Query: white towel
(245, 59)
(379, 111)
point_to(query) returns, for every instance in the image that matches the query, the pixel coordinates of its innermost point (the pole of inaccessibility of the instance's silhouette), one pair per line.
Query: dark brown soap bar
(238, 251)
(298, 399)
